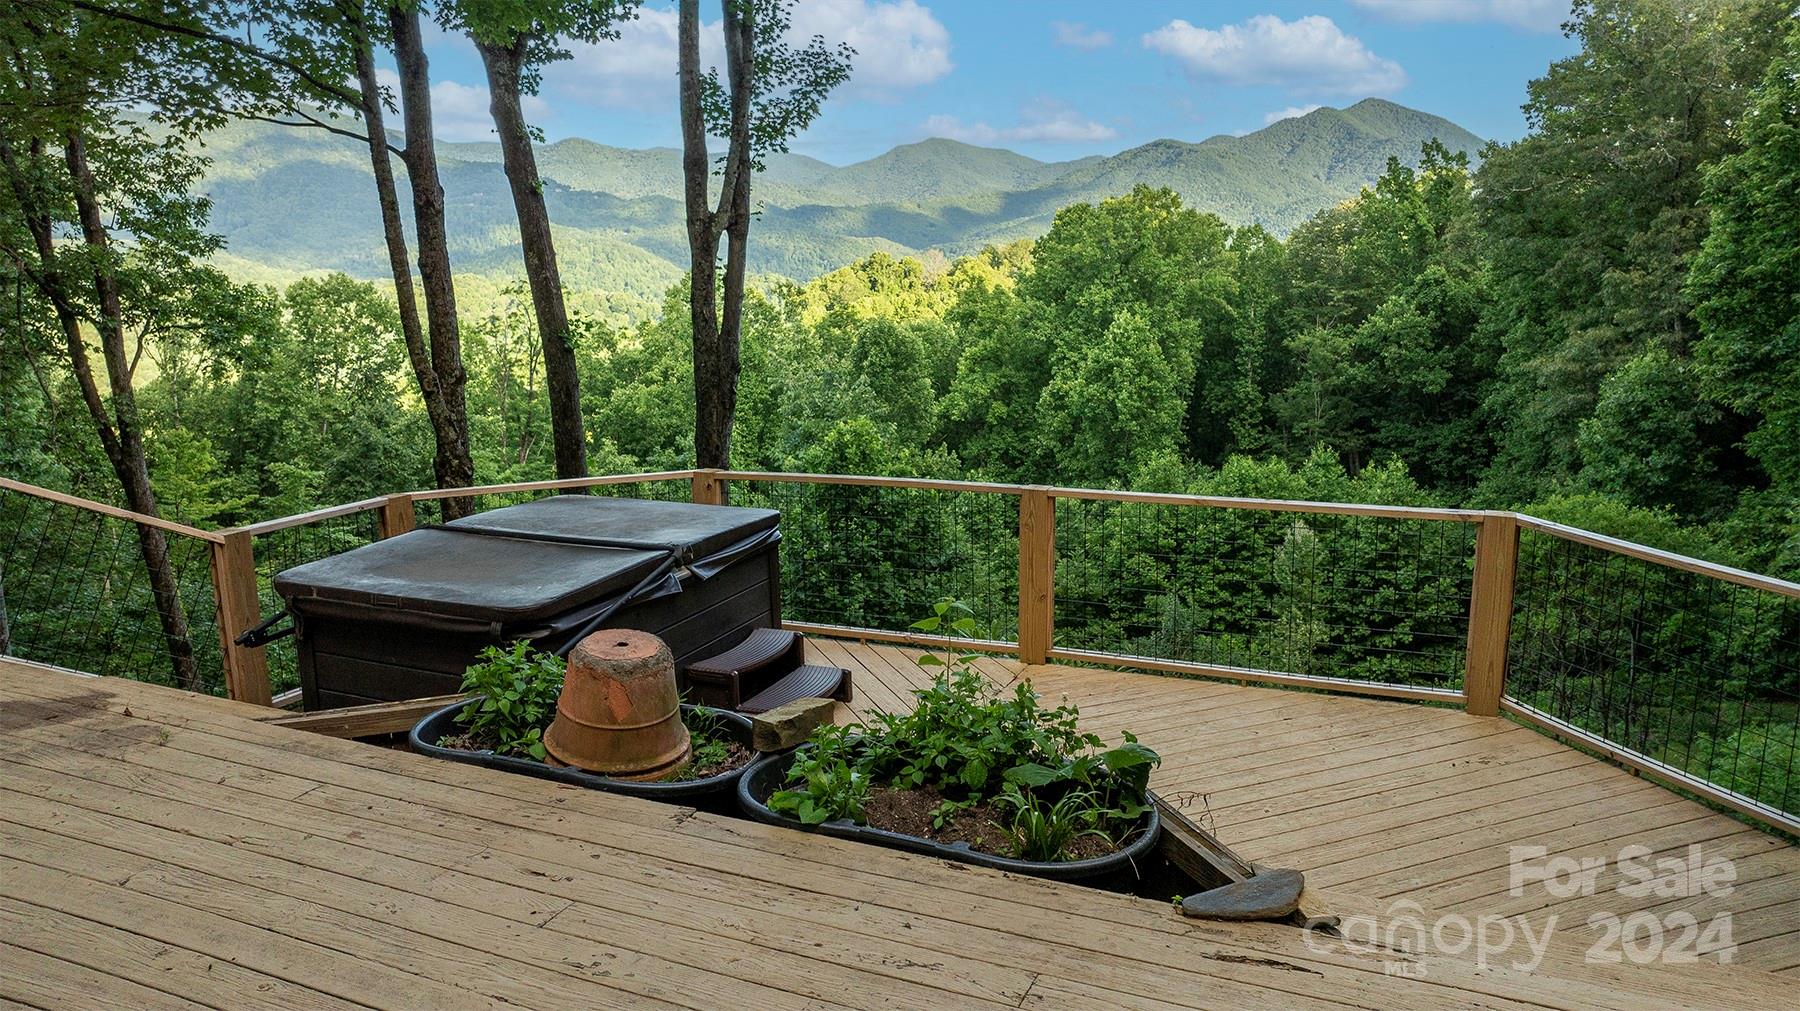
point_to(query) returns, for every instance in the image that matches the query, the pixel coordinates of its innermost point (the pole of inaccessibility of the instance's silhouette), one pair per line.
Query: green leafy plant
(972, 744)
(944, 813)
(518, 687)
(825, 782)
(1043, 830)
(708, 744)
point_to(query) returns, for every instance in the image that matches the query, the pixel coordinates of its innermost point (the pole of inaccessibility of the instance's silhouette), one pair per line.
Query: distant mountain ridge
(293, 200)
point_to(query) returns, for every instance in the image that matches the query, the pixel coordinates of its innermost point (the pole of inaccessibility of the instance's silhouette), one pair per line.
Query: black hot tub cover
(690, 532)
(469, 575)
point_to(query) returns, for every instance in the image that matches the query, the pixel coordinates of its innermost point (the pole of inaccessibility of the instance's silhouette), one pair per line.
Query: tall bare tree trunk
(420, 156)
(503, 63)
(731, 323)
(715, 344)
(449, 433)
(711, 444)
(125, 446)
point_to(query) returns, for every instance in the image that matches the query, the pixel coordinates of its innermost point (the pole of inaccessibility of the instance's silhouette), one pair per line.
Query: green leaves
(825, 781)
(948, 614)
(1746, 279)
(518, 687)
(788, 84)
(1043, 830)
(1033, 774)
(708, 743)
(1060, 782)
(955, 620)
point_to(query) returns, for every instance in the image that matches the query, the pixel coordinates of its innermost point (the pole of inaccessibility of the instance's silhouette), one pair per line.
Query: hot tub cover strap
(718, 561)
(650, 587)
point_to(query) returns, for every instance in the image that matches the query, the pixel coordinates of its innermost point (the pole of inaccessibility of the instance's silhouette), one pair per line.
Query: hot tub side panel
(355, 661)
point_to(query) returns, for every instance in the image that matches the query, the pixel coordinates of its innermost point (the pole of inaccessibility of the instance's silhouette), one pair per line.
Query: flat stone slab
(1270, 894)
(790, 724)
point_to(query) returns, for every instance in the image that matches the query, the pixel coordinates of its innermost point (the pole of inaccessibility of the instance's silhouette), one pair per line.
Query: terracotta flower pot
(620, 713)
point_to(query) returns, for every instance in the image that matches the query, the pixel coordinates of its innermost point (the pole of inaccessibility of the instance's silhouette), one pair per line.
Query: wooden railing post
(239, 609)
(709, 488)
(396, 515)
(1490, 612)
(1037, 574)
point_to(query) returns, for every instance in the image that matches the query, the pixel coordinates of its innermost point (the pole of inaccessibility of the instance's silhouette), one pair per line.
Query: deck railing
(1675, 667)
(75, 592)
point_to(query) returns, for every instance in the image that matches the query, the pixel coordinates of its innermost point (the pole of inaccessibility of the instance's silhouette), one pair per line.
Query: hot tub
(403, 617)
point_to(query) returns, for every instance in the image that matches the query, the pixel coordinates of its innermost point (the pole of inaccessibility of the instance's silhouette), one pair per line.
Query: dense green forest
(1599, 325)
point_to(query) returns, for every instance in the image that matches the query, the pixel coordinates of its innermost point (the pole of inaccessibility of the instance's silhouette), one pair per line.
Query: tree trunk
(560, 376)
(716, 342)
(125, 450)
(731, 326)
(435, 278)
(712, 446)
(740, 39)
(450, 434)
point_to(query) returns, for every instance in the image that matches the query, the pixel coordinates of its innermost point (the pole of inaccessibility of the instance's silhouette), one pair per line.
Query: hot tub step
(762, 672)
(809, 681)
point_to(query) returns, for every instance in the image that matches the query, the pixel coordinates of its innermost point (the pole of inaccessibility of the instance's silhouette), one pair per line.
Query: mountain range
(293, 200)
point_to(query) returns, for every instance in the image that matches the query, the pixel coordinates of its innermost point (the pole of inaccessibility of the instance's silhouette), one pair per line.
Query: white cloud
(1531, 15)
(1076, 35)
(459, 112)
(1043, 121)
(635, 71)
(1291, 112)
(899, 44)
(1309, 54)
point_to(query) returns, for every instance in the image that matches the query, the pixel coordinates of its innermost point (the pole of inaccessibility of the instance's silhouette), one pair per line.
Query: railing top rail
(110, 510)
(428, 494)
(1277, 505)
(1656, 556)
(1273, 505)
(1665, 558)
(302, 519)
(929, 484)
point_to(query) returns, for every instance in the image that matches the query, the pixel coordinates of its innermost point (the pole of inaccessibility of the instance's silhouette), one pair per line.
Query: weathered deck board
(1395, 802)
(157, 850)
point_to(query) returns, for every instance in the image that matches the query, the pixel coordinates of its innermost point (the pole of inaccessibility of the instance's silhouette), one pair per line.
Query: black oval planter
(714, 793)
(769, 772)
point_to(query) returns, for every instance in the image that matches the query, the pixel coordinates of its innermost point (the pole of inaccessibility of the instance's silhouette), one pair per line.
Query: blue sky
(1059, 80)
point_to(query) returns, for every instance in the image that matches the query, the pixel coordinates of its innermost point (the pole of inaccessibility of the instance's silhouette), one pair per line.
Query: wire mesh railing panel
(878, 556)
(1696, 674)
(429, 511)
(77, 591)
(1375, 599)
(280, 550)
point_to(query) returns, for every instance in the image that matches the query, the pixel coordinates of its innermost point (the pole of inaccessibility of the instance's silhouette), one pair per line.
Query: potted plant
(514, 699)
(972, 774)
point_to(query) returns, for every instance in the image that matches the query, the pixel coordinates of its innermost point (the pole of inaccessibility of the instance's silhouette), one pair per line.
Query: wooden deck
(1385, 802)
(162, 850)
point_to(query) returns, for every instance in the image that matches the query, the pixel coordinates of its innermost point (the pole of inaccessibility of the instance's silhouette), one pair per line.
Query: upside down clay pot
(620, 712)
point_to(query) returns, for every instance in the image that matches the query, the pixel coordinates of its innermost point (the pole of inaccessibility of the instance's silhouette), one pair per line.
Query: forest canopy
(1603, 311)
